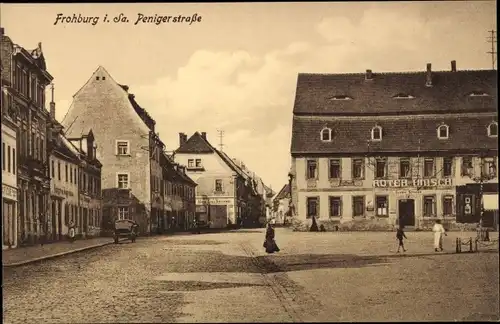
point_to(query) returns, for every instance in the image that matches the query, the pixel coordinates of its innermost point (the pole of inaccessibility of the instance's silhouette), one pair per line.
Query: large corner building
(398, 148)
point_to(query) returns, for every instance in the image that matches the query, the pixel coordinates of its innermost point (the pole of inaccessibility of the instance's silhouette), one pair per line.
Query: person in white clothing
(439, 232)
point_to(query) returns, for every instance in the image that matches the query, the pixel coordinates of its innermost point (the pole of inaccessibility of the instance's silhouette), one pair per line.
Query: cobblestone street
(226, 277)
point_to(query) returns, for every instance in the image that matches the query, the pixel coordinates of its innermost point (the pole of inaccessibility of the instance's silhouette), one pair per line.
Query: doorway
(406, 212)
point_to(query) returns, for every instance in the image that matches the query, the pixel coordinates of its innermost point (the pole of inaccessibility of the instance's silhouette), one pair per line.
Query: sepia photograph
(223, 162)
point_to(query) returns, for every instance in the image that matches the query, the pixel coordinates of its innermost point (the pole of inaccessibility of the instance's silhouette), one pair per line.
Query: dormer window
(403, 96)
(376, 133)
(326, 134)
(493, 129)
(443, 131)
(341, 97)
(478, 94)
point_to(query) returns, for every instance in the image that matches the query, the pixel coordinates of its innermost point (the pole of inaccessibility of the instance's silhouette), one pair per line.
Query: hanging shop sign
(9, 192)
(403, 183)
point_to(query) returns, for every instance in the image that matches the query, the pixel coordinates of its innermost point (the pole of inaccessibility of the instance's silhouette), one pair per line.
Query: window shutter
(318, 213)
(340, 207)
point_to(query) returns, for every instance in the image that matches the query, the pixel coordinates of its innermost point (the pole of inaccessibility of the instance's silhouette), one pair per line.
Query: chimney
(52, 104)
(368, 75)
(204, 135)
(182, 139)
(428, 80)
(453, 66)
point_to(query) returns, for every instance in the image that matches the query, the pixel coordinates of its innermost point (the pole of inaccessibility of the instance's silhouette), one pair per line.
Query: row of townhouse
(48, 181)
(139, 180)
(402, 148)
(227, 194)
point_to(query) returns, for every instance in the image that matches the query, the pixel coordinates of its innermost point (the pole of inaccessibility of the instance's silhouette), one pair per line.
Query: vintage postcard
(249, 162)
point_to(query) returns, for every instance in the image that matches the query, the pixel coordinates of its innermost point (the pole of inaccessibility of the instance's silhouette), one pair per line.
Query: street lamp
(490, 174)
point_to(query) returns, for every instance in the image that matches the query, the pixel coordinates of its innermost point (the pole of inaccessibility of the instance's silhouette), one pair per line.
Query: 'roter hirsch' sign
(402, 183)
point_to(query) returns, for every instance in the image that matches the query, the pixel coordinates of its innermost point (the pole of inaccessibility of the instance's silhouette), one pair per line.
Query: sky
(236, 69)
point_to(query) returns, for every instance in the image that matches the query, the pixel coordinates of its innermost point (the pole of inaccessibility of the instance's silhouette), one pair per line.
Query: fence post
(470, 245)
(456, 245)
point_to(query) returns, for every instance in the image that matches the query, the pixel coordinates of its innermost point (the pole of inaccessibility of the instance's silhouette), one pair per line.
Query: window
(443, 132)
(190, 163)
(429, 206)
(70, 174)
(123, 181)
(489, 167)
(53, 169)
(218, 185)
(312, 206)
(380, 168)
(58, 170)
(466, 168)
(447, 166)
(198, 163)
(335, 169)
(66, 171)
(382, 204)
(448, 205)
(3, 156)
(311, 169)
(122, 212)
(14, 165)
(122, 148)
(75, 178)
(493, 129)
(403, 96)
(97, 78)
(428, 167)
(335, 206)
(377, 133)
(404, 168)
(358, 168)
(326, 134)
(8, 159)
(358, 205)
(104, 78)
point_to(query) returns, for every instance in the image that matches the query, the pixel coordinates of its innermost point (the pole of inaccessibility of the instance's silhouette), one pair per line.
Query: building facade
(9, 174)
(129, 150)
(178, 191)
(226, 195)
(391, 147)
(281, 205)
(24, 79)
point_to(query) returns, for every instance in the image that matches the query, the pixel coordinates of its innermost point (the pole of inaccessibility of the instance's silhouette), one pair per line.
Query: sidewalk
(24, 255)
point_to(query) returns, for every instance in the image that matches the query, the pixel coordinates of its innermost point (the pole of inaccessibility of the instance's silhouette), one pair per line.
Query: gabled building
(129, 148)
(24, 79)
(178, 191)
(281, 204)
(393, 147)
(224, 194)
(75, 183)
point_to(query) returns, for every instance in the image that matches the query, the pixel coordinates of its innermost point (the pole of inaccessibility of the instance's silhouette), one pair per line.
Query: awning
(490, 201)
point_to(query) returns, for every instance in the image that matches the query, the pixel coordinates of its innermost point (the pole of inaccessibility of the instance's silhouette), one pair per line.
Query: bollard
(456, 246)
(470, 245)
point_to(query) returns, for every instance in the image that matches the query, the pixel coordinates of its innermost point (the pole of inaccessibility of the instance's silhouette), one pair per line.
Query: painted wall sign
(402, 183)
(214, 201)
(63, 192)
(9, 192)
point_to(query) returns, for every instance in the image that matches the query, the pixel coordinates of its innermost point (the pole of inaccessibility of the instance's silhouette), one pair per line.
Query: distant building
(281, 204)
(225, 195)
(178, 195)
(129, 149)
(24, 79)
(394, 146)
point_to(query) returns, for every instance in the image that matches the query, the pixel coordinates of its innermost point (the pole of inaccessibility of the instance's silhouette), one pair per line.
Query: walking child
(400, 235)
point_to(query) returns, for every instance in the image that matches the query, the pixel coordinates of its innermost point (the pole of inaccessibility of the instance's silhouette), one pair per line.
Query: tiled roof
(400, 134)
(450, 91)
(195, 144)
(284, 192)
(172, 174)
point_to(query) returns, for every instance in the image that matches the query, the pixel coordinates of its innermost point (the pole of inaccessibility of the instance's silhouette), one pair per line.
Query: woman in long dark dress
(270, 243)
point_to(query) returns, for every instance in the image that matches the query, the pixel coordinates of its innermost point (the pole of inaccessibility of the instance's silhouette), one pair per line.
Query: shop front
(9, 216)
(219, 212)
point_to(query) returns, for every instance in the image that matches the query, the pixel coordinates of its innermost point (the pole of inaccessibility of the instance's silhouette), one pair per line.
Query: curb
(53, 256)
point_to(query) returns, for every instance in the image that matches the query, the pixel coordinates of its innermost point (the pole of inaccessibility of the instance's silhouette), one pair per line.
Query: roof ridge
(393, 72)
